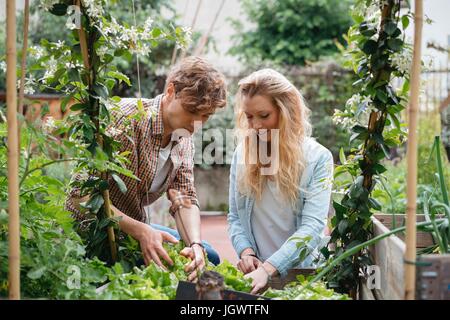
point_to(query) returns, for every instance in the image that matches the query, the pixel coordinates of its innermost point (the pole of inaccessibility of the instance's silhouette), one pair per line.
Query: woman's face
(261, 114)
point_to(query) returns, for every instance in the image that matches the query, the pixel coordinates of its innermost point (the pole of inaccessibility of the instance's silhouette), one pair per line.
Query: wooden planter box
(278, 283)
(433, 271)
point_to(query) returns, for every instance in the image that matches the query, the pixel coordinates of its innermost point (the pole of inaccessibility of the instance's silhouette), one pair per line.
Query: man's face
(180, 118)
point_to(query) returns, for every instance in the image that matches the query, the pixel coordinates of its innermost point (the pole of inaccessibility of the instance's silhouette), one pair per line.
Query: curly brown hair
(198, 84)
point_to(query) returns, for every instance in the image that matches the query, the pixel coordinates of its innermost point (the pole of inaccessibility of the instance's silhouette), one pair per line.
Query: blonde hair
(294, 126)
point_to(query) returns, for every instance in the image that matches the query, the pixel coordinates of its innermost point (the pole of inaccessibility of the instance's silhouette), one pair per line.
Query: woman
(280, 179)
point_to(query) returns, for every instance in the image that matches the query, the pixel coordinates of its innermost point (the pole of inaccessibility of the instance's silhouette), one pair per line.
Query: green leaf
(342, 155)
(342, 227)
(140, 106)
(101, 90)
(156, 32)
(120, 76)
(378, 168)
(382, 96)
(395, 44)
(95, 203)
(374, 204)
(120, 183)
(390, 28)
(340, 210)
(58, 75)
(359, 129)
(59, 9)
(405, 21)
(36, 273)
(370, 47)
(77, 107)
(64, 103)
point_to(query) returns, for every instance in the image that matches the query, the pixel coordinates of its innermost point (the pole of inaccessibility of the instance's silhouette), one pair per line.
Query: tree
(291, 32)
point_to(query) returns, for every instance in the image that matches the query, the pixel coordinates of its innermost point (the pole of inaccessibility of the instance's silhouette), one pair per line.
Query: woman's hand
(260, 278)
(248, 263)
(151, 241)
(197, 254)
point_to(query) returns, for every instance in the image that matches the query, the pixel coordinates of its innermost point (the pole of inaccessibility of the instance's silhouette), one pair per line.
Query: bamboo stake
(13, 154)
(105, 193)
(410, 255)
(204, 39)
(26, 15)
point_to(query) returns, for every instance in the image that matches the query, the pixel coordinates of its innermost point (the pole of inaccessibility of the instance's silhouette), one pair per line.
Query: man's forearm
(128, 225)
(188, 224)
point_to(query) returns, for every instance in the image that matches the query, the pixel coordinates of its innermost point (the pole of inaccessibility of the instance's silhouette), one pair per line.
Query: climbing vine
(380, 57)
(82, 70)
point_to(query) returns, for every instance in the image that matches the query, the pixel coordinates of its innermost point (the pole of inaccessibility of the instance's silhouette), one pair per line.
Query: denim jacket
(311, 210)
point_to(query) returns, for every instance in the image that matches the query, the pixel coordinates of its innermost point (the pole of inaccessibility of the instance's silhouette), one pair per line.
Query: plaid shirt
(142, 138)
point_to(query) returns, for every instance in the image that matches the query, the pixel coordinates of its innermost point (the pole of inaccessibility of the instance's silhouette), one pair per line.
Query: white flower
(148, 25)
(402, 60)
(112, 132)
(29, 85)
(48, 4)
(83, 174)
(59, 44)
(50, 66)
(94, 8)
(366, 100)
(49, 125)
(3, 66)
(37, 52)
(70, 25)
(101, 51)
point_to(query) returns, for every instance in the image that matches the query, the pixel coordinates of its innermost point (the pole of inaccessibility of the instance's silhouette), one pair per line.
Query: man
(161, 156)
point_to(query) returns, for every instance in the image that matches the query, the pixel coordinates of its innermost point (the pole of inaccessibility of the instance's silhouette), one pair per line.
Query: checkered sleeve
(184, 178)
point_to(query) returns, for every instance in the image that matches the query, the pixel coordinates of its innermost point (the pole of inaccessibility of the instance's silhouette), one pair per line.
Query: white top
(273, 221)
(162, 169)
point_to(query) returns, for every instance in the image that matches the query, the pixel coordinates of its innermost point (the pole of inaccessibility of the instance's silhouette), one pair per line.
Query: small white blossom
(112, 132)
(94, 8)
(48, 4)
(29, 85)
(402, 61)
(49, 125)
(148, 25)
(83, 174)
(37, 52)
(3, 66)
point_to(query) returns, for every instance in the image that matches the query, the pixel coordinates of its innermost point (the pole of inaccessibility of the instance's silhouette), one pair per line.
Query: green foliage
(373, 118)
(291, 32)
(90, 84)
(233, 278)
(303, 290)
(53, 260)
(152, 66)
(326, 87)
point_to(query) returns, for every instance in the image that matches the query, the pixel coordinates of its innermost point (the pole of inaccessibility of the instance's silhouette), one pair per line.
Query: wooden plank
(433, 277)
(388, 255)
(424, 239)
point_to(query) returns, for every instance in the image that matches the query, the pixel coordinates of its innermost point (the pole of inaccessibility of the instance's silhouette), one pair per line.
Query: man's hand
(152, 249)
(248, 263)
(197, 254)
